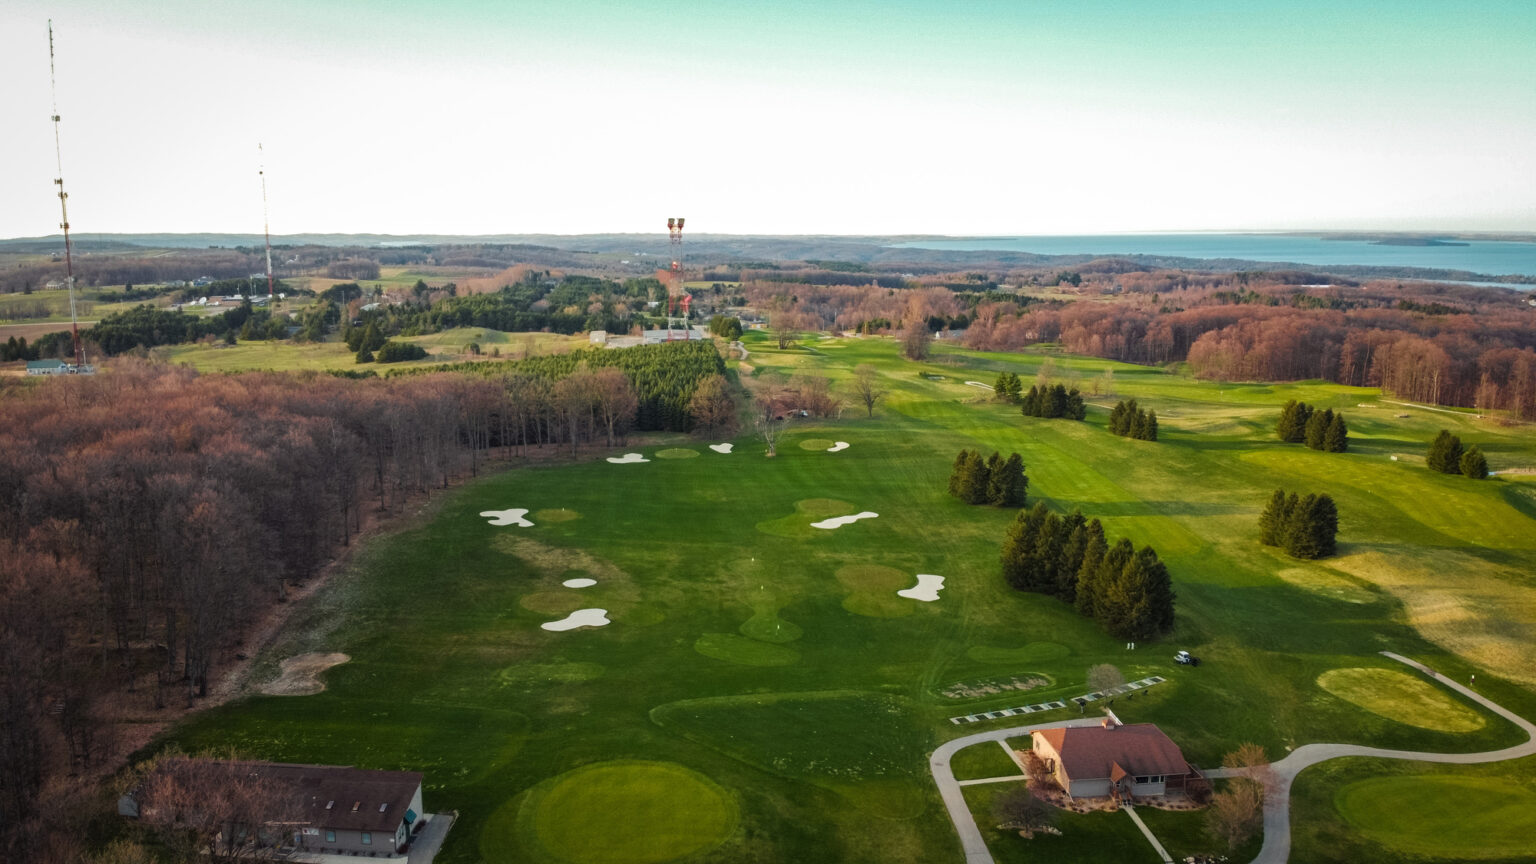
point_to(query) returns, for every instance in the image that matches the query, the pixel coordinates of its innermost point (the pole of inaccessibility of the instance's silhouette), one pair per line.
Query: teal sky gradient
(838, 117)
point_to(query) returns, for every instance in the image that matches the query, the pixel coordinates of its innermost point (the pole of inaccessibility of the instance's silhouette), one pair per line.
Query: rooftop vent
(330, 804)
(355, 805)
(383, 807)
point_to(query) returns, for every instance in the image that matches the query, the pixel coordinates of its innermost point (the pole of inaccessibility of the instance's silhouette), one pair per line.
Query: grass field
(765, 674)
(445, 347)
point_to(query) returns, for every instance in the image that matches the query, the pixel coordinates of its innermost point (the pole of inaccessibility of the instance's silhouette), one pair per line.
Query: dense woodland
(149, 514)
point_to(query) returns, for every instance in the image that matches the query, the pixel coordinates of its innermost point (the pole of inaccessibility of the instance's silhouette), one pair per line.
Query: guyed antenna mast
(69, 263)
(262, 170)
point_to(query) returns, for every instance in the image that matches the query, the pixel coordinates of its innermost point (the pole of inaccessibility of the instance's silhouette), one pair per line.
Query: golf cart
(1184, 658)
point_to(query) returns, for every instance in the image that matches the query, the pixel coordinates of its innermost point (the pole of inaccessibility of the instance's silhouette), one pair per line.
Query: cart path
(1277, 804)
(1276, 848)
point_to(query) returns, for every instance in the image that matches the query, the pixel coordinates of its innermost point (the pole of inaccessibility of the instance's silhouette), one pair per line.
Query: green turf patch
(626, 812)
(1034, 652)
(982, 760)
(524, 675)
(1410, 815)
(816, 443)
(1402, 697)
(553, 602)
(553, 515)
(1324, 582)
(874, 590)
(807, 511)
(746, 652)
(677, 453)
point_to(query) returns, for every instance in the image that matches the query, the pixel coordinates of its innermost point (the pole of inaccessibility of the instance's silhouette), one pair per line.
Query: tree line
(996, 481)
(1128, 420)
(1052, 402)
(1126, 590)
(1304, 526)
(1320, 430)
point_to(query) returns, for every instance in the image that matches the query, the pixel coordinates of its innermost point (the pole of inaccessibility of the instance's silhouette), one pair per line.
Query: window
(367, 839)
(330, 836)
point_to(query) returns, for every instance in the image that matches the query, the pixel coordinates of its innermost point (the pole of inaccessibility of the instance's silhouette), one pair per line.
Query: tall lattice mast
(681, 298)
(265, 219)
(69, 262)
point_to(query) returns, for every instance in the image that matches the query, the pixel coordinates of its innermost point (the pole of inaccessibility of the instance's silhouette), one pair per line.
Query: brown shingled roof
(332, 796)
(1093, 752)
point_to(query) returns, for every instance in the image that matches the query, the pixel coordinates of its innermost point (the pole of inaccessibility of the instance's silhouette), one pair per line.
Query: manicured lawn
(986, 759)
(766, 674)
(1372, 809)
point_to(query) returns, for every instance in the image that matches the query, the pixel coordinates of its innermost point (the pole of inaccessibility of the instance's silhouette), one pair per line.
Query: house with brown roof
(324, 809)
(1135, 760)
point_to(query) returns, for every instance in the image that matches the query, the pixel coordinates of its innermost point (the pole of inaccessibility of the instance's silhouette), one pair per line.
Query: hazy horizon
(843, 118)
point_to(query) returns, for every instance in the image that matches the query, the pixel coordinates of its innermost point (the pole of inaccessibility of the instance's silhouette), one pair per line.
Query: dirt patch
(301, 674)
(993, 686)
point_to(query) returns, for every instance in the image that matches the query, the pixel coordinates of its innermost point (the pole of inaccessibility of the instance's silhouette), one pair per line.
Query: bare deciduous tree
(866, 387)
(1237, 811)
(1104, 677)
(712, 407)
(1019, 810)
(915, 340)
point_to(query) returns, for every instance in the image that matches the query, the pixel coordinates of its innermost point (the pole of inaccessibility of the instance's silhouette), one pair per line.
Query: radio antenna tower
(69, 263)
(262, 170)
(675, 229)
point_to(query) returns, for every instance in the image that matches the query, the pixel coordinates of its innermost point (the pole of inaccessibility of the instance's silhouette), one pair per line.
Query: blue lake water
(1477, 256)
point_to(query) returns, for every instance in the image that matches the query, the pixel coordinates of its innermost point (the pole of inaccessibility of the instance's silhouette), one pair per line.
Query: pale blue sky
(786, 117)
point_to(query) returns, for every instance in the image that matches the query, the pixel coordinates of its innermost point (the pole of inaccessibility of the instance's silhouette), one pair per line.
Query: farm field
(763, 693)
(445, 347)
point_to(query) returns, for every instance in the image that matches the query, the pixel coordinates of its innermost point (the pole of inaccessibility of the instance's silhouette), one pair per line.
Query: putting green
(874, 590)
(561, 514)
(746, 652)
(1400, 696)
(816, 443)
(523, 675)
(624, 812)
(807, 511)
(1443, 817)
(676, 453)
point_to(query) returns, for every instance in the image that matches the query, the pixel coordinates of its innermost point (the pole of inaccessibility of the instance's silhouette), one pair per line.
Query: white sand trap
(301, 674)
(579, 618)
(840, 521)
(579, 583)
(978, 384)
(927, 588)
(721, 448)
(627, 459)
(508, 517)
(839, 446)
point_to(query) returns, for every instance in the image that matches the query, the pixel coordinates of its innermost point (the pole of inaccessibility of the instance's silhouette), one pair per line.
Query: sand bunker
(721, 448)
(840, 521)
(839, 446)
(301, 674)
(927, 588)
(579, 583)
(508, 517)
(627, 459)
(579, 618)
(978, 384)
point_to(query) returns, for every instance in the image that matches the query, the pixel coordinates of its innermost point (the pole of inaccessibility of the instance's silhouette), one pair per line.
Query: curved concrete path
(1277, 803)
(971, 839)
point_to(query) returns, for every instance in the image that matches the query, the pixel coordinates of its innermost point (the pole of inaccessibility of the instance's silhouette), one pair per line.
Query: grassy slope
(768, 656)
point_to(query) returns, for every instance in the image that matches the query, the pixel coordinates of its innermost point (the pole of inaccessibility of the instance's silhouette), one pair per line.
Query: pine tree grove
(1130, 421)
(1304, 526)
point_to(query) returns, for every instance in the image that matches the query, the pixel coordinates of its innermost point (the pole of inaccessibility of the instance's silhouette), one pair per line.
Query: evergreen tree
(1158, 596)
(1048, 553)
(1087, 599)
(1016, 484)
(1000, 387)
(974, 479)
(1273, 520)
(956, 472)
(1019, 548)
(996, 491)
(1110, 605)
(1151, 426)
(1444, 453)
(1015, 387)
(1336, 438)
(1057, 404)
(1075, 529)
(1138, 426)
(1311, 527)
(1076, 408)
(1474, 464)
(1117, 418)
(1285, 429)
(1031, 402)
(1317, 428)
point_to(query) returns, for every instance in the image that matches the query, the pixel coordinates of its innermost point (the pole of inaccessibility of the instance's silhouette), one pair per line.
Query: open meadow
(764, 694)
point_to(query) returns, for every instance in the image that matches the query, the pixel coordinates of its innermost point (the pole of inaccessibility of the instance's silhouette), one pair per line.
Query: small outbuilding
(1128, 761)
(47, 367)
